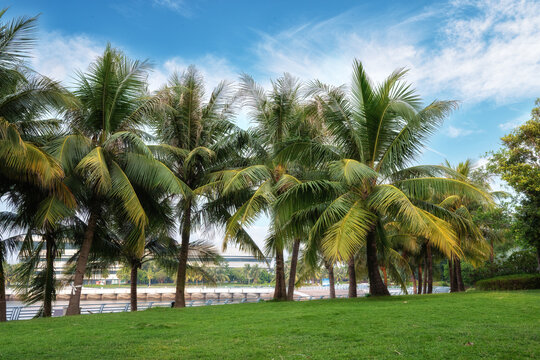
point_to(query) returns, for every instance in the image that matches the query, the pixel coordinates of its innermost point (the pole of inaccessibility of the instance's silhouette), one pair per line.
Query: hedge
(510, 282)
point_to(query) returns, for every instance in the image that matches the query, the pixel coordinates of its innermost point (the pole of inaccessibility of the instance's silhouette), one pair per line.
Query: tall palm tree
(376, 132)
(277, 115)
(197, 138)
(25, 97)
(104, 155)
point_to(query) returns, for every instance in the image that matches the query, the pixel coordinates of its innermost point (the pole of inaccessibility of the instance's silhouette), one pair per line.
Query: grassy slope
(492, 325)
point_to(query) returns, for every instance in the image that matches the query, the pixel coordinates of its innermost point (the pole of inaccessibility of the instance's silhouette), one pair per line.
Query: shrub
(510, 282)
(519, 262)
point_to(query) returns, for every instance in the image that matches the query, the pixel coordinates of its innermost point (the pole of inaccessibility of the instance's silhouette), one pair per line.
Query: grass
(491, 325)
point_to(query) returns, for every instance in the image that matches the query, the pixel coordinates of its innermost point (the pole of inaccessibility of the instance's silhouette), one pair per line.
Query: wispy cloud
(178, 6)
(470, 50)
(443, 155)
(214, 70)
(60, 55)
(510, 125)
(455, 132)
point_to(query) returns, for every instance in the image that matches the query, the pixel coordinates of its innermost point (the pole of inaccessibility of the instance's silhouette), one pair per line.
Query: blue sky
(484, 53)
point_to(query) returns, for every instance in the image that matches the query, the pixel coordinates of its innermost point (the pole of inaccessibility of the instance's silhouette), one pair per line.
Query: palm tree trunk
(74, 307)
(330, 268)
(425, 273)
(133, 285)
(3, 316)
(419, 279)
(415, 289)
(352, 278)
(538, 257)
(49, 277)
(459, 279)
(424, 291)
(180, 298)
(452, 273)
(429, 257)
(280, 290)
(292, 274)
(376, 285)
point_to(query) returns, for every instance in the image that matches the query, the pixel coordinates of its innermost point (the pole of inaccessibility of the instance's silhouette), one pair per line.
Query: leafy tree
(518, 163)
(526, 226)
(496, 224)
(123, 274)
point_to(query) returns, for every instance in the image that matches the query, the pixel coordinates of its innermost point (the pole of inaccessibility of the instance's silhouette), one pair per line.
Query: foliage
(518, 163)
(519, 262)
(510, 282)
(123, 274)
(375, 132)
(526, 225)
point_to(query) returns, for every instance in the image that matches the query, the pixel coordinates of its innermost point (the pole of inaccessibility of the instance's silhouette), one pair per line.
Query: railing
(30, 312)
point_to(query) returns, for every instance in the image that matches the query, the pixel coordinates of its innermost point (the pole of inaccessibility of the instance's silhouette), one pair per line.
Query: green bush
(510, 282)
(519, 262)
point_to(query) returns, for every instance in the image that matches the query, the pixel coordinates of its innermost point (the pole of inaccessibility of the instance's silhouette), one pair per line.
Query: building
(233, 257)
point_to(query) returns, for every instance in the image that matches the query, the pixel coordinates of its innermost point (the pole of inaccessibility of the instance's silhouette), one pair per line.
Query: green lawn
(491, 325)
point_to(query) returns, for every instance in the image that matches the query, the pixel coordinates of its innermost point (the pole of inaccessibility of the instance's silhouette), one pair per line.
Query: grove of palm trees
(133, 176)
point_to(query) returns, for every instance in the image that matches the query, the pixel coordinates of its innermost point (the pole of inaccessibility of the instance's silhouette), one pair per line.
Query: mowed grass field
(490, 325)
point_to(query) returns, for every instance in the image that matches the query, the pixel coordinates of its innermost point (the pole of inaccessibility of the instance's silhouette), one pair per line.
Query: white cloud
(58, 56)
(455, 132)
(491, 54)
(472, 51)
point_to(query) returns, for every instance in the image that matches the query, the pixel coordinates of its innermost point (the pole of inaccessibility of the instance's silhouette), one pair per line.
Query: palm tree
(471, 240)
(36, 273)
(43, 216)
(197, 138)
(280, 118)
(114, 248)
(24, 97)
(376, 132)
(104, 155)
